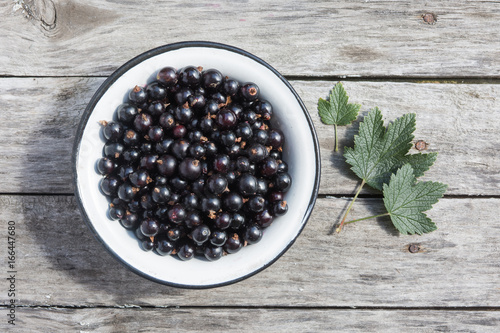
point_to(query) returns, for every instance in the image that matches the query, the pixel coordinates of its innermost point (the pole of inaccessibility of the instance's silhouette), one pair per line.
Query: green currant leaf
(337, 110)
(379, 151)
(406, 200)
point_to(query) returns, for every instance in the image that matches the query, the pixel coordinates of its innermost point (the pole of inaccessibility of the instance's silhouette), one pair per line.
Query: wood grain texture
(368, 264)
(312, 38)
(461, 122)
(253, 320)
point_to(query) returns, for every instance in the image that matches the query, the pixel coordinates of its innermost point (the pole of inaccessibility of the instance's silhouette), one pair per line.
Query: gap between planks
(352, 78)
(266, 307)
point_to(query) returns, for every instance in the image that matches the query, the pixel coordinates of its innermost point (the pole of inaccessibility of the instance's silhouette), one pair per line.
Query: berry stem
(367, 218)
(350, 206)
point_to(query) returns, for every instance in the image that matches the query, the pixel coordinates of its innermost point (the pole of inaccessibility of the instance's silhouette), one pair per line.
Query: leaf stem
(350, 206)
(367, 218)
(336, 138)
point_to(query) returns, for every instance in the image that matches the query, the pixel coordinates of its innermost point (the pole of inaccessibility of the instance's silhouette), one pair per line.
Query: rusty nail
(421, 145)
(413, 248)
(429, 18)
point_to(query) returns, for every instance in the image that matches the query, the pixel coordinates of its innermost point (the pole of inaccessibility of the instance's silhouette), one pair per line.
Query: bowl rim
(103, 88)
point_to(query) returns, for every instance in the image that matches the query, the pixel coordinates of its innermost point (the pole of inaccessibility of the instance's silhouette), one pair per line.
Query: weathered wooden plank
(368, 264)
(362, 38)
(253, 320)
(461, 122)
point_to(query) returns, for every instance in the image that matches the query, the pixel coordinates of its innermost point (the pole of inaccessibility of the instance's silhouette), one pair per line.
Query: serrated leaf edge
(429, 225)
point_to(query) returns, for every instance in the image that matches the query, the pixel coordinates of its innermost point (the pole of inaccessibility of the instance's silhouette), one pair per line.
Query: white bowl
(301, 154)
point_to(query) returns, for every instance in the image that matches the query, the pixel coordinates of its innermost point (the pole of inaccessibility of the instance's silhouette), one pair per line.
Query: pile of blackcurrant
(192, 164)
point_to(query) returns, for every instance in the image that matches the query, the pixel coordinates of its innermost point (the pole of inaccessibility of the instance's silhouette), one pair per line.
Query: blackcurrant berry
(233, 243)
(216, 183)
(197, 101)
(237, 221)
(180, 148)
(166, 165)
(149, 227)
(213, 253)
(218, 237)
(211, 107)
(127, 192)
(211, 79)
(113, 131)
(264, 108)
(155, 133)
(167, 121)
(222, 220)
(191, 201)
(189, 76)
(167, 76)
(190, 169)
(126, 113)
(221, 163)
(105, 166)
(165, 247)
(232, 201)
(117, 212)
(139, 178)
(275, 139)
(253, 234)
(178, 184)
(131, 138)
(200, 234)
(250, 91)
(282, 181)
(279, 208)
(262, 186)
(228, 138)
(142, 122)
(147, 203)
(247, 184)
(161, 194)
(183, 114)
(176, 214)
(230, 87)
(256, 152)
(268, 167)
(264, 218)
(131, 155)
(244, 131)
(137, 95)
(147, 245)
(174, 234)
(109, 185)
(130, 221)
(256, 204)
(113, 150)
(210, 204)
(193, 219)
(179, 131)
(156, 91)
(226, 119)
(148, 162)
(197, 150)
(186, 252)
(163, 146)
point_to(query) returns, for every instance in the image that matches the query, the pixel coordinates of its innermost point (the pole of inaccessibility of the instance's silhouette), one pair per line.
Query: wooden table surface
(438, 59)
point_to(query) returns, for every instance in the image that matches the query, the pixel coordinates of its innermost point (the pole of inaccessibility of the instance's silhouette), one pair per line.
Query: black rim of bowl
(133, 62)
